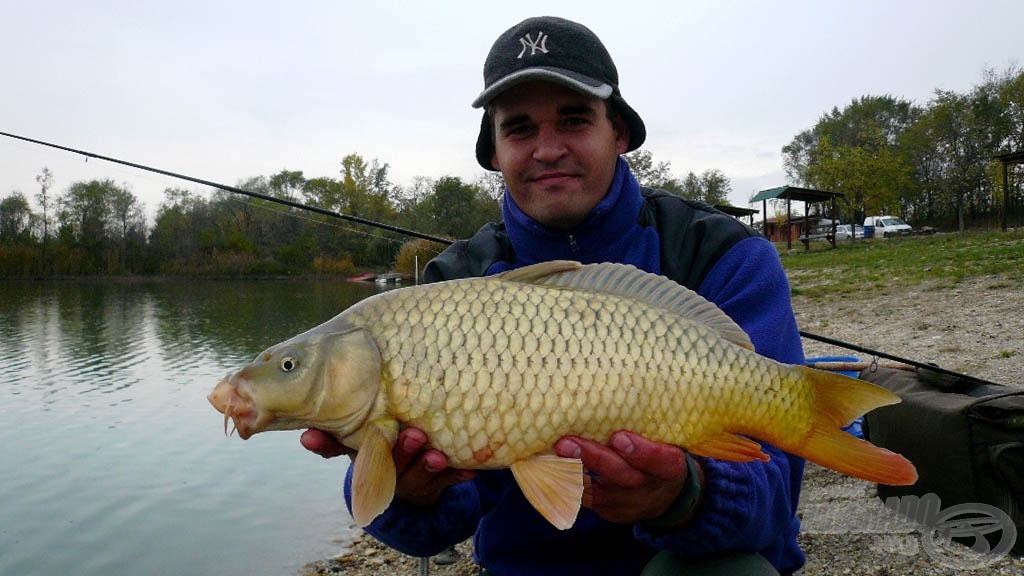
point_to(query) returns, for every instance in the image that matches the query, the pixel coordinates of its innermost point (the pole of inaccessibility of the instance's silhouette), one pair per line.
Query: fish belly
(495, 372)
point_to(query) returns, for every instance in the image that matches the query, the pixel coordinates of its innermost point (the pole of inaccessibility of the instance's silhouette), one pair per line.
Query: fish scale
(495, 370)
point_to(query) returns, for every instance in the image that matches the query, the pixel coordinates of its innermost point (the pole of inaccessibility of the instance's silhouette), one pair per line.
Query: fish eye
(289, 363)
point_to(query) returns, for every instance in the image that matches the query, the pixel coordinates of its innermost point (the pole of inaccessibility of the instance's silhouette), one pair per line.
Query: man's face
(556, 149)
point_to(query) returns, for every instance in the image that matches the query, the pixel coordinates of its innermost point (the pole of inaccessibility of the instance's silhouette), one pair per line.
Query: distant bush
(405, 261)
(340, 266)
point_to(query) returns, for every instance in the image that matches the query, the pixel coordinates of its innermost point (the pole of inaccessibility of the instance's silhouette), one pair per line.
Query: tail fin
(838, 401)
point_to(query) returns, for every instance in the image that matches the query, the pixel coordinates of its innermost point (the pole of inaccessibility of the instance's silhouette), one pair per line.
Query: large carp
(496, 369)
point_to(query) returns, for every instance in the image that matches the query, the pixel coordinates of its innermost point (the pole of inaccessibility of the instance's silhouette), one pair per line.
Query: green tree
(651, 174)
(962, 142)
(182, 238)
(1009, 87)
(413, 206)
(365, 188)
(367, 193)
(715, 187)
(127, 226)
(492, 184)
(45, 180)
(326, 192)
(15, 220)
(691, 187)
(323, 192)
(83, 215)
(287, 184)
(458, 209)
(925, 164)
(855, 151)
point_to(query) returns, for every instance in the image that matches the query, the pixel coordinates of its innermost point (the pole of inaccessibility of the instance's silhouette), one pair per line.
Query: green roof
(795, 193)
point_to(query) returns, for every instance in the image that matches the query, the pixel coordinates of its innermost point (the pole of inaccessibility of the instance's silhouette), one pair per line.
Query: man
(555, 125)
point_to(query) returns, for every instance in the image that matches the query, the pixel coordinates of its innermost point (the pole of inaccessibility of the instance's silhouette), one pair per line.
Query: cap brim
(567, 78)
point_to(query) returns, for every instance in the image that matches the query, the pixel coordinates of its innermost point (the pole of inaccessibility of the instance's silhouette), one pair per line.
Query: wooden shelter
(803, 231)
(1006, 160)
(737, 212)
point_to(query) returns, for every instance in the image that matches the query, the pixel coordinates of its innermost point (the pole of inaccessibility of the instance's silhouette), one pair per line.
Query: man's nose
(550, 144)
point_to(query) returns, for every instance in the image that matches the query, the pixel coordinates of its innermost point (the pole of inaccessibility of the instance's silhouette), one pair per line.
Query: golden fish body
(496, 369)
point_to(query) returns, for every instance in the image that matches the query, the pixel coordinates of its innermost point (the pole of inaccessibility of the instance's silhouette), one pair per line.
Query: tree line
(931, 164)
(100, 227)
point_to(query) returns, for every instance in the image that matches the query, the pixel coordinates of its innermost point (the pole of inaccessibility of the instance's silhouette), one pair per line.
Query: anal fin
(728, 446)
(553, 485)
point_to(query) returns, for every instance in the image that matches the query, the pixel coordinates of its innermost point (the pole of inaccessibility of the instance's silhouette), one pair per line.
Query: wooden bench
(806, 239)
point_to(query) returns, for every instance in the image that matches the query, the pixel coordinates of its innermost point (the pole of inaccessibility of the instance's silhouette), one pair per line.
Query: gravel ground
(975, 327)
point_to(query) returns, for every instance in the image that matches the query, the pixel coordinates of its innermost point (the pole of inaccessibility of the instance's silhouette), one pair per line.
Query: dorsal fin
(630, 282)
(535, 273)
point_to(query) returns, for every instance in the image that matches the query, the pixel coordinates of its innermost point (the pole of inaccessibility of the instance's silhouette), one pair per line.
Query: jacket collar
(610, 232)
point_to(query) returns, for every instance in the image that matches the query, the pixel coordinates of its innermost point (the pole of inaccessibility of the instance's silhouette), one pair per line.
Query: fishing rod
(236, 190)
(415, 234)
(920, 365)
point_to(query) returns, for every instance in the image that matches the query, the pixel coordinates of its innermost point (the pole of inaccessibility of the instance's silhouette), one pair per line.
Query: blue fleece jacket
(744, 506)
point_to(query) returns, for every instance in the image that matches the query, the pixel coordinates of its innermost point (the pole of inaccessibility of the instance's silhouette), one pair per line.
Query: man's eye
(517, 131)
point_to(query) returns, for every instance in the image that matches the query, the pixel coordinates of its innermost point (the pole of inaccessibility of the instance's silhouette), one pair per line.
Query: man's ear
(621, 134)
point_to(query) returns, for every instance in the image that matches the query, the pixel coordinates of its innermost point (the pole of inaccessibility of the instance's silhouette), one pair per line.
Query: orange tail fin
(839, 400)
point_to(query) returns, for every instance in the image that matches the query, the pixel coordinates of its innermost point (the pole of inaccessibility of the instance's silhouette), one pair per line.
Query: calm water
(111, 459)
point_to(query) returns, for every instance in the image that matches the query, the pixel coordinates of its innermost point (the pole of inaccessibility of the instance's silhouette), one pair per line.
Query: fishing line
(236, 190)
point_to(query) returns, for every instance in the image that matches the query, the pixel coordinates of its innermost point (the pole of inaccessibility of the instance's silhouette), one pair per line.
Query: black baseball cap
(555, 50)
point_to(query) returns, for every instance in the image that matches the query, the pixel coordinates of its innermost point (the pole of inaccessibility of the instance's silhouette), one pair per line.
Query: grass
(876, 265)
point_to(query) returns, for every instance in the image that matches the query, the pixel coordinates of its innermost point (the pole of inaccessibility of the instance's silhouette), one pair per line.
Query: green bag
(965, 436)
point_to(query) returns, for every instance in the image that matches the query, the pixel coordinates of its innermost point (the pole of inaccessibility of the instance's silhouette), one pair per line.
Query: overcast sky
(229, 90)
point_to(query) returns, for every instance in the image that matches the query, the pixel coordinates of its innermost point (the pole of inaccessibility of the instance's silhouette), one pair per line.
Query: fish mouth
(231, 398)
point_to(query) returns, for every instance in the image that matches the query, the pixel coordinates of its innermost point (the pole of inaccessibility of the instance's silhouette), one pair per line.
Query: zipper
(573, 248)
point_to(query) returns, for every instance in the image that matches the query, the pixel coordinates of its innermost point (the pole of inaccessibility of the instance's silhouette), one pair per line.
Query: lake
(111, 458)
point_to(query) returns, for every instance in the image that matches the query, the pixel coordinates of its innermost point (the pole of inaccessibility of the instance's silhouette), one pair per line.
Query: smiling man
(555, 124)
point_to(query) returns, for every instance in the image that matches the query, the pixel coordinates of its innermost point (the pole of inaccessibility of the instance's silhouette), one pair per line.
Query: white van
(888, 226)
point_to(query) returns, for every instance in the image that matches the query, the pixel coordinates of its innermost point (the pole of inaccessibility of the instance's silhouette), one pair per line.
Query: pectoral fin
(373, 478)
(554, 486)
(728, 446)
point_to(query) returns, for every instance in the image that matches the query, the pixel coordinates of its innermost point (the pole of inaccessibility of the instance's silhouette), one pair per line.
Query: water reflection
(93, 337)
(113, 461)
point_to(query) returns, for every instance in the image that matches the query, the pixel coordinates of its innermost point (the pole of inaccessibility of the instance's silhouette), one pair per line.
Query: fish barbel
(496, 369)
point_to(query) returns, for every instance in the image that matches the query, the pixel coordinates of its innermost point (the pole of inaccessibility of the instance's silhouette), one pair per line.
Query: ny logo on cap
(535, 45)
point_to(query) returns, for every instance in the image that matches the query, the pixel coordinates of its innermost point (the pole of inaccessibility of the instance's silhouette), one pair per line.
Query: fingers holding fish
(663, 461)
(423, 472)
(322, 443)
(633, 479)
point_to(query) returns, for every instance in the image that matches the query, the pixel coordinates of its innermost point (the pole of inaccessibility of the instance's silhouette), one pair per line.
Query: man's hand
(423, 472)
(634, 479)
(324, 444)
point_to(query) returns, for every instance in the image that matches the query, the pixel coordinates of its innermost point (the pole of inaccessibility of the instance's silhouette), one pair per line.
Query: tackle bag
(965, 436)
